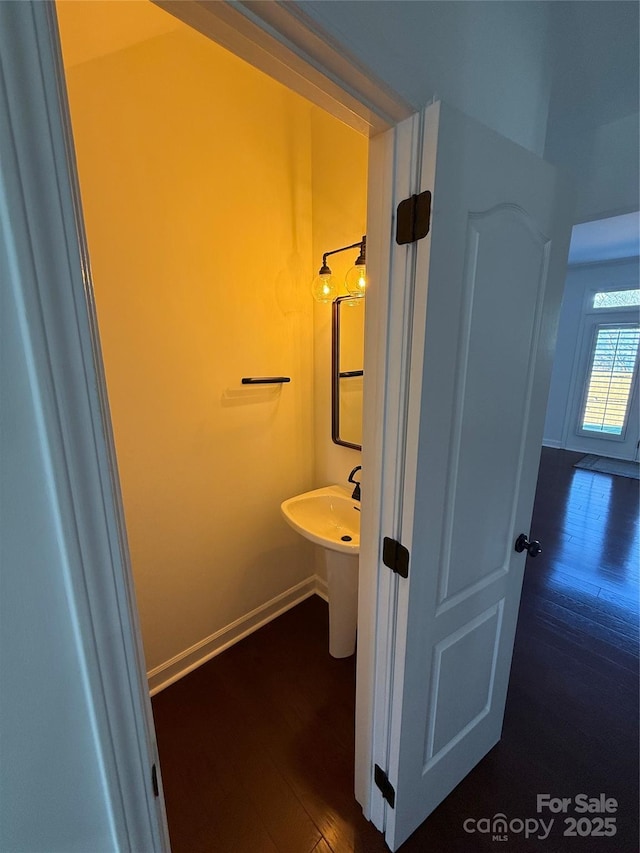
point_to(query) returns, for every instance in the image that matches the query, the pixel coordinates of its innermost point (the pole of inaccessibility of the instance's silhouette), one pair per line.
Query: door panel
(494, 372)
(474, 646)
(486, 294)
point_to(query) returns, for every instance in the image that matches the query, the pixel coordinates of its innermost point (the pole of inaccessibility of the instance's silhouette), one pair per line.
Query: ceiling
(93, 28)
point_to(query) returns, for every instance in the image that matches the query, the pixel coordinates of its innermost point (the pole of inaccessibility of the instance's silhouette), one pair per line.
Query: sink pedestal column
(342, 582)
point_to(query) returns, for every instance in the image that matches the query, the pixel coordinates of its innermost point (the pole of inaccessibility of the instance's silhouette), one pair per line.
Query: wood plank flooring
(256, 746)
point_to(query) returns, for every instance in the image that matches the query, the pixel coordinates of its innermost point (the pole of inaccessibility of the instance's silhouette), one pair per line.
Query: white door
(485, 292)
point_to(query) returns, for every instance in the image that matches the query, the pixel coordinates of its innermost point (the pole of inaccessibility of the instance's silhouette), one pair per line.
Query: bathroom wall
(339, 204)
(195, 173)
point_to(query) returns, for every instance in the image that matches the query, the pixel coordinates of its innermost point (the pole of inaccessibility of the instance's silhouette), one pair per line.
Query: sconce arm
(360, 245)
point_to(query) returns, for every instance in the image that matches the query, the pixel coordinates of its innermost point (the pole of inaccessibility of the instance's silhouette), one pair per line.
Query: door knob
(523, 544)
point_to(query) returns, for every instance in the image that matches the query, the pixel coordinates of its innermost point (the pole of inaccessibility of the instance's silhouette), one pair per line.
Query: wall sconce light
(324, 287)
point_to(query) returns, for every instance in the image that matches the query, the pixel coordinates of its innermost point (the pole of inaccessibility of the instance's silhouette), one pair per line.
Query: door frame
(56, 290)
(291, 47)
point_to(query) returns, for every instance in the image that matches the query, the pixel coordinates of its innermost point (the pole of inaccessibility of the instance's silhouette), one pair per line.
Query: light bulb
(356, 280)
(324, 288)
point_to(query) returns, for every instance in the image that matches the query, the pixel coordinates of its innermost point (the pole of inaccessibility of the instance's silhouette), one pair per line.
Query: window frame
(595, 328)
(600, 292)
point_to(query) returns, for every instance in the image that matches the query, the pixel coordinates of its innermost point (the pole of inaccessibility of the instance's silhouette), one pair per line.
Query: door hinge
(386, 788)
(154, 781)
(413, 218)
(395, 556)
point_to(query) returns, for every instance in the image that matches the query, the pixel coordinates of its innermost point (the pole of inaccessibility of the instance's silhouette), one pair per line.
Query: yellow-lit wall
(197, 183)
(339, 205)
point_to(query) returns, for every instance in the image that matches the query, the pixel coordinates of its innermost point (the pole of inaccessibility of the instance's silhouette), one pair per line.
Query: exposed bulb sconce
(324, 287)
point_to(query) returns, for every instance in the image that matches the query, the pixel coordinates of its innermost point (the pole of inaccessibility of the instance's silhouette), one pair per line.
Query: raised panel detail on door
(474, 645)
(493, 384)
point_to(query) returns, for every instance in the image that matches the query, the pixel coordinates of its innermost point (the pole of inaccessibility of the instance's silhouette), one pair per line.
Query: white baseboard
(174, 669)
(552, 442)
(321, 588)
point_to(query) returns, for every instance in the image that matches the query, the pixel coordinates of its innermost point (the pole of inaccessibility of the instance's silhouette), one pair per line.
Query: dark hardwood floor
(256, 746)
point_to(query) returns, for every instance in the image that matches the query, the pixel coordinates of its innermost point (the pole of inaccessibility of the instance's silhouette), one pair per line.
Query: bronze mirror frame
(336, 375)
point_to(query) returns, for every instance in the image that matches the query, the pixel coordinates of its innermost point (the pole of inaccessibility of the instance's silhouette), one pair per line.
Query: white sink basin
(331, 518)
(327, 516)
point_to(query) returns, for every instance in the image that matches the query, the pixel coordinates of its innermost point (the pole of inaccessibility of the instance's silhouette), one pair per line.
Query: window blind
(613, 364)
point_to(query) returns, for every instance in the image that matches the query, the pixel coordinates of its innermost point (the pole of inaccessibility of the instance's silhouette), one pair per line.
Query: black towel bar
(265, 380)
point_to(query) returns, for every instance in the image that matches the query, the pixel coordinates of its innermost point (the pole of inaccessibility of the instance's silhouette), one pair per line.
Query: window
(616, 299)
(613, 364)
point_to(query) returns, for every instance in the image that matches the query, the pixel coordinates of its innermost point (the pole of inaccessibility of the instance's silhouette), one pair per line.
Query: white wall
(197, 204)
(558, 78)
(614, 170)
(603, 163)
(339, 203)
(558, 432)
(592, 133)
(51, 794)
(487, 59)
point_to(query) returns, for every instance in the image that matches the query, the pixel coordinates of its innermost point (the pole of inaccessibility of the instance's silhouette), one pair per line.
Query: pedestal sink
(331, 518)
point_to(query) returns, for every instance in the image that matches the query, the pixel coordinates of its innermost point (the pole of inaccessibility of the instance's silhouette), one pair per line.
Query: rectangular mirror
(347, 374)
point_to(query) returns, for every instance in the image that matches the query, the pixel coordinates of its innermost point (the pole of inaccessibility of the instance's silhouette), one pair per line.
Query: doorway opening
(593, 398)
(210, 193)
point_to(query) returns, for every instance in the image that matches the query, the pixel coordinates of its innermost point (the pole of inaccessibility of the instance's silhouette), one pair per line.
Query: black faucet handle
(356, 491)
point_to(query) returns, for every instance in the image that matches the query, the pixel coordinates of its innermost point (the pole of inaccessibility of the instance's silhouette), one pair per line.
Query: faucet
(356, 492)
